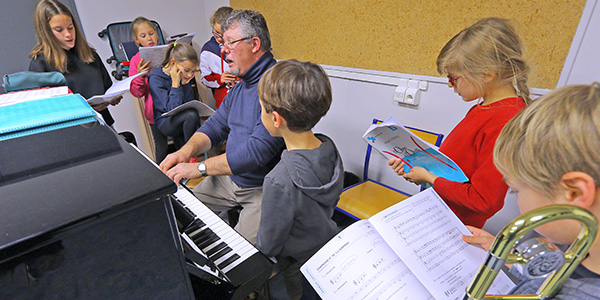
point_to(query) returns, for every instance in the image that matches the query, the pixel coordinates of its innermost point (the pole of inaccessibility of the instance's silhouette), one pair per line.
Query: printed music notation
(412, 250)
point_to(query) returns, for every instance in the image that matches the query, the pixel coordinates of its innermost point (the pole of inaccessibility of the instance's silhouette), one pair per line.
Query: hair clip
(174, 44)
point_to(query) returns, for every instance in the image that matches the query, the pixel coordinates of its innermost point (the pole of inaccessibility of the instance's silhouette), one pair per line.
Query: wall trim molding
(391, 78)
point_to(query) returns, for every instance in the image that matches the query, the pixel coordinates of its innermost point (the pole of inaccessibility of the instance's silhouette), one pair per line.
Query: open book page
(154, 54)
(358, 264)
(393, 140)
(203, 109)
(119, 88)
(426, 235)
(33, 94)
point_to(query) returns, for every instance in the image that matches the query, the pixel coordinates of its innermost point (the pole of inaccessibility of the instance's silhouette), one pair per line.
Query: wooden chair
(366, 198)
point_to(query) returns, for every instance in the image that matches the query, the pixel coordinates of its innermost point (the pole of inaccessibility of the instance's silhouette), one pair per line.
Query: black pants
(181, 126)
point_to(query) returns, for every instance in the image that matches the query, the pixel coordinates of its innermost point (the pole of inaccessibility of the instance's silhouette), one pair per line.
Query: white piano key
(233, 239)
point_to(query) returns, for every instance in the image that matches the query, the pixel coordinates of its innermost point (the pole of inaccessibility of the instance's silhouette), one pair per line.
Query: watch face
(202, 168)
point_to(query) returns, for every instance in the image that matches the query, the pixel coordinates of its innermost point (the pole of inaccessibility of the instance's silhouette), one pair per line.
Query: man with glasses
(234, 179)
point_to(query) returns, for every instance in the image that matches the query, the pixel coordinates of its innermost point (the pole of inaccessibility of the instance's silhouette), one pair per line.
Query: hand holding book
(393, 140)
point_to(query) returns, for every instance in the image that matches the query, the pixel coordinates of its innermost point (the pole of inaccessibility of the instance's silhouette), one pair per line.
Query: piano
(84, 216)
(216, 252)
(222, 264)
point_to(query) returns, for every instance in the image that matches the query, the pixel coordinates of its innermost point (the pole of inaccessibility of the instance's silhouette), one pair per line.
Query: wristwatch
(202, 169)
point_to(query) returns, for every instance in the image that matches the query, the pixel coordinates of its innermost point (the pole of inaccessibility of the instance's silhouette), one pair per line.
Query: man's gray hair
(251, 23)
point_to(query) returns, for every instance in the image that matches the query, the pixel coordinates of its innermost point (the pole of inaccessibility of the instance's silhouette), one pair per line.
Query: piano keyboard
(223, 246)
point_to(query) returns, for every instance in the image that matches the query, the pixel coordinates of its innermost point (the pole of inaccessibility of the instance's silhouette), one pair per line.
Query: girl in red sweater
(483, 62)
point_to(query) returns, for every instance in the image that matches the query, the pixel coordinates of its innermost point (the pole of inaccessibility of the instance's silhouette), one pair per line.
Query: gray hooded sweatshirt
(299, 196)
(582, 285)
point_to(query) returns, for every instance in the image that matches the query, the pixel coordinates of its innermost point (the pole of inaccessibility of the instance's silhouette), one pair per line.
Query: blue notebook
(43, 115)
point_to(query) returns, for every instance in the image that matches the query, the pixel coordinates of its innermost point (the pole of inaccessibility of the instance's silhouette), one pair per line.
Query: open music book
(118, 89)
(412, 250)
(392, 139)
(203, 109)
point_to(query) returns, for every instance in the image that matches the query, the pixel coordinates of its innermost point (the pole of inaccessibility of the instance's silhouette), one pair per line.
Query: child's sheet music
(202, 109)
(358, 264)
(154, 54)
(118, 89)
(412, 250)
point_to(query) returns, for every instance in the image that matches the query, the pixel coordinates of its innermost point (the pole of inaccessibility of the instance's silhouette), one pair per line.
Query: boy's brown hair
(299, 91)
(557, 134)
(220, 15)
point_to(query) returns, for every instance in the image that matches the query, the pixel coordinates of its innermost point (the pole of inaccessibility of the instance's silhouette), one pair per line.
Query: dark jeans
(160, 143)
(181, 126)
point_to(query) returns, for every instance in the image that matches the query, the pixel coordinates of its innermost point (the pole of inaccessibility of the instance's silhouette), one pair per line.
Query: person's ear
(488, 77)
(255, 44)
(578, 188)
(278, 120)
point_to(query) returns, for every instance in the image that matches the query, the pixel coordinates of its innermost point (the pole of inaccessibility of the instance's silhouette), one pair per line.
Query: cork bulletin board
(406, 36)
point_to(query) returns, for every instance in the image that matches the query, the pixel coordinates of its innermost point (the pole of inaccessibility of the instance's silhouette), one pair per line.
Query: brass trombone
(509, 236)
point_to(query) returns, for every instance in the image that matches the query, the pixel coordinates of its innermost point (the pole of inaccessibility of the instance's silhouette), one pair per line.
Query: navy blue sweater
(164, 96)
(251, 151)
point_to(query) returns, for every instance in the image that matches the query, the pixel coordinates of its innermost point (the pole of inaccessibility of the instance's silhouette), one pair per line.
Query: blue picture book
(393, 140)
(42, 115)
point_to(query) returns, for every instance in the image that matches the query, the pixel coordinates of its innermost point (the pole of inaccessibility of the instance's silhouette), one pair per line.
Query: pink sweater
(139, 88)
(471, 145)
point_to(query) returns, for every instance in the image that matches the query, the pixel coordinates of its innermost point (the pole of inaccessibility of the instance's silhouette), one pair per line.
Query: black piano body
(84, 216)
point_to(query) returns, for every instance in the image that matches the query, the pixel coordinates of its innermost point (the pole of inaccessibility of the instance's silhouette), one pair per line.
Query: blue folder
(42, 115)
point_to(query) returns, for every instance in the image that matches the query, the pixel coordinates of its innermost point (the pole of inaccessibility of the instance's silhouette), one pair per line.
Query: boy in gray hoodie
(301, 192)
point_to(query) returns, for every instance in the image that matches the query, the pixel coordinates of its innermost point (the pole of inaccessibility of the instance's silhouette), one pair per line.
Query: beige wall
(406, 36)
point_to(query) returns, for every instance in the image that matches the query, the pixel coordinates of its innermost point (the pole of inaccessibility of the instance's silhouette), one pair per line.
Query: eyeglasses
(452, 80)
(217, 35)
(229, 45)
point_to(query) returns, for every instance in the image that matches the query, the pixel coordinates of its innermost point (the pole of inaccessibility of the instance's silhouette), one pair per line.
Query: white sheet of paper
(202, 109)
(119, 88)
(154, 54)
(358, 264)
(426, 235)
(35, 94)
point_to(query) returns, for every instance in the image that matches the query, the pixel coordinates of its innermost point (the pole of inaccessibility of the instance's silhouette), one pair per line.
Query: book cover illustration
(393, 140)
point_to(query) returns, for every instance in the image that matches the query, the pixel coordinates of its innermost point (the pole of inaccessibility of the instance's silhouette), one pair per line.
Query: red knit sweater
(471, 145)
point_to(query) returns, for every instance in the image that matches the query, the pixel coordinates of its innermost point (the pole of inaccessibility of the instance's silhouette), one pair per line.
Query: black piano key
(209, 241)
(216, 248)
(228, 261)
(220, 253)
(197, 224)
(202, 235)
(193, 227)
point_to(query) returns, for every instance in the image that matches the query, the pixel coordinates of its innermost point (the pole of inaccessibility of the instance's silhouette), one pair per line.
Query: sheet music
(202, 109)
(119, 88)
(154, 54)
(426, 235)
(357, 264)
